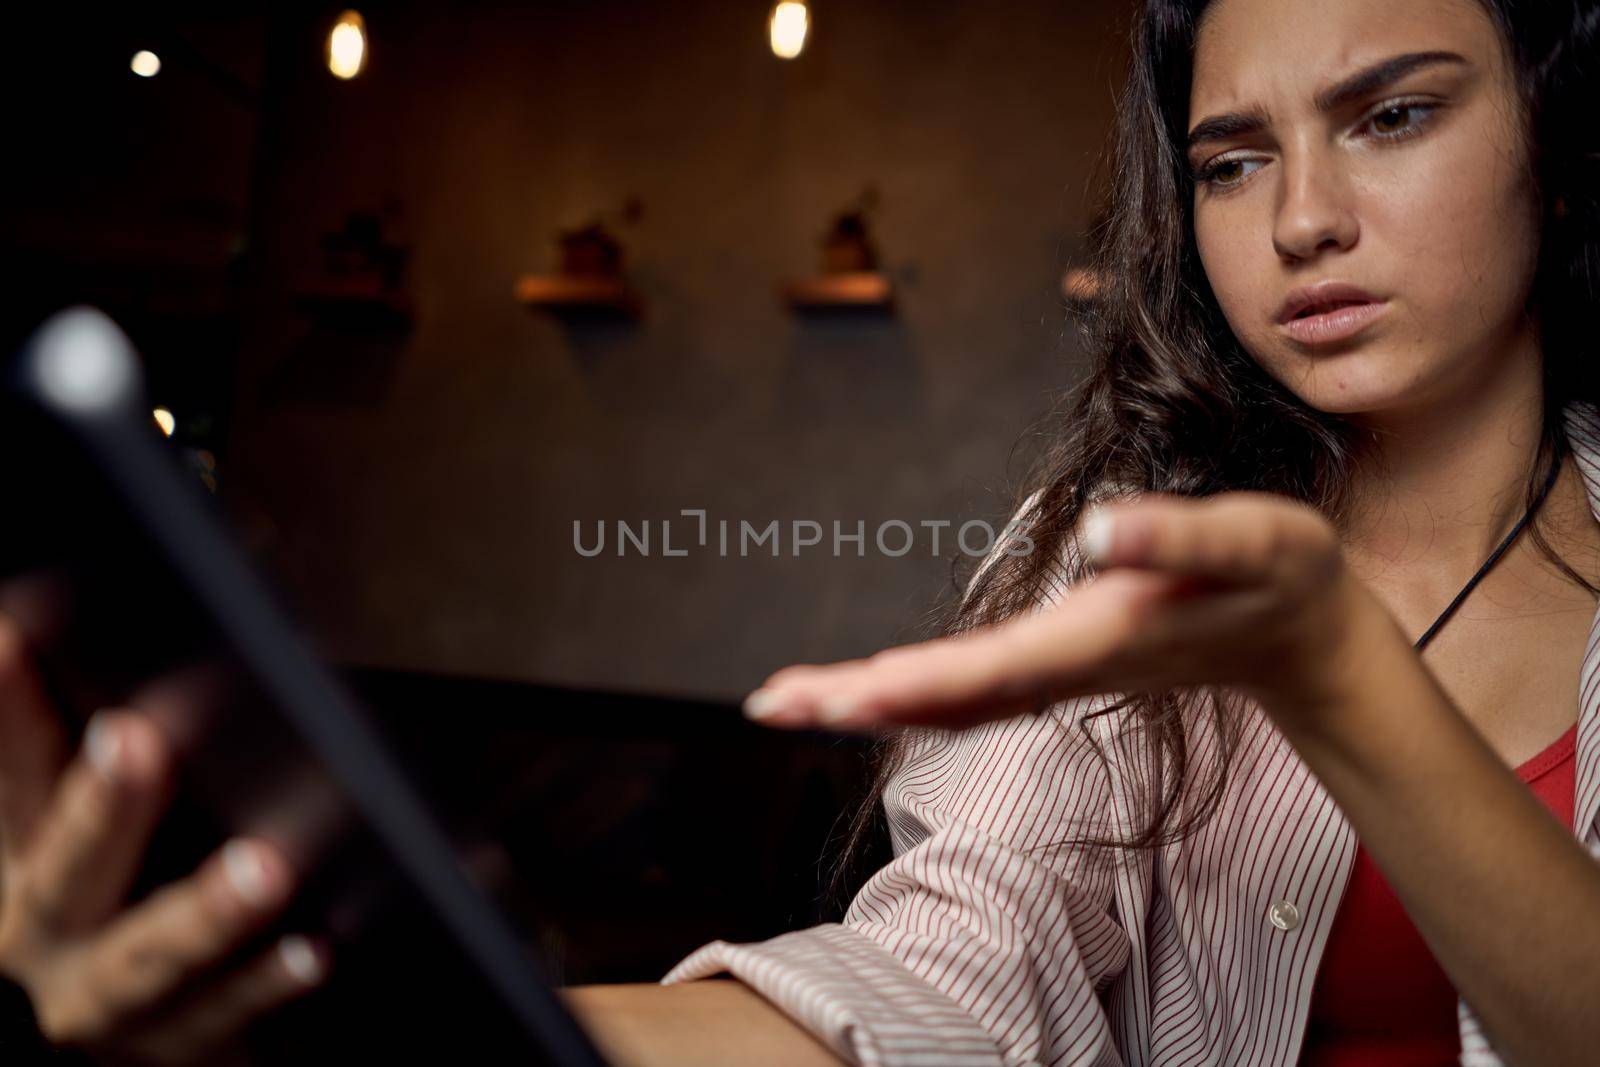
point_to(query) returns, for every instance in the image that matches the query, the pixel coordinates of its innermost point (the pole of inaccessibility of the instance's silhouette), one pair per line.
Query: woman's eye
(1390, 118)
(1225, 172)
(1399, 120)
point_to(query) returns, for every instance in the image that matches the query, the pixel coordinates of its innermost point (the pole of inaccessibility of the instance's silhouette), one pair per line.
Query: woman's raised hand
(151, 982)
(1242, 588)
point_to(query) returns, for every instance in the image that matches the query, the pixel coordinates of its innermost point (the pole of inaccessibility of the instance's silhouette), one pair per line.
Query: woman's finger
(187, 927)
(33, 745)
(199, 1024)
(979, 675)
(1237, 538)
(89, 845)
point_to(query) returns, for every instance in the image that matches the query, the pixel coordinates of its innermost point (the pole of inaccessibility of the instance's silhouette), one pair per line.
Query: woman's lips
(1334, 325)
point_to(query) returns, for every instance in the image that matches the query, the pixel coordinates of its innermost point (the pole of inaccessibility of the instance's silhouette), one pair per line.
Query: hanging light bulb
(347, 45)
(787, 26)
(145, 63)
(164, 419)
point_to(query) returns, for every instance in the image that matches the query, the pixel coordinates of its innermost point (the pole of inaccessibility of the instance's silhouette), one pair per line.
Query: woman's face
(1412, 188)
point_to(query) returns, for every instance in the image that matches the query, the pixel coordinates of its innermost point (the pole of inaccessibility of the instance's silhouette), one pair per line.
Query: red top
(1381, 1000)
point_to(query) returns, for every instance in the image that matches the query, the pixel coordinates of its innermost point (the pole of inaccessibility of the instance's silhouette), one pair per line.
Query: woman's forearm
(708, 1023)
(1504, 895)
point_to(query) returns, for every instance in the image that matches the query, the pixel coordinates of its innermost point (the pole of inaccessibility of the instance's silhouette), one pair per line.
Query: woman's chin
(1341, 396)
(1353, 382)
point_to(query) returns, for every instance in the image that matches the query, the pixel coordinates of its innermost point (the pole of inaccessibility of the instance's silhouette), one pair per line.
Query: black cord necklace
(1555, 468)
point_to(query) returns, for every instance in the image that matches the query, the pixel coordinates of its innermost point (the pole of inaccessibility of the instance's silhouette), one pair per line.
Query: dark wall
(421, 489)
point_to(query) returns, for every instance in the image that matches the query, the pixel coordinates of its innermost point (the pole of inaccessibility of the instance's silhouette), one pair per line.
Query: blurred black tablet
(116, 561)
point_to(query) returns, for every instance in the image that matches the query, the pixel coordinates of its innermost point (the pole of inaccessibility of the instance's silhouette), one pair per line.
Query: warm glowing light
(787, 28)
(146, 64)
(1081, 284)
(165, 420)
(347, 45)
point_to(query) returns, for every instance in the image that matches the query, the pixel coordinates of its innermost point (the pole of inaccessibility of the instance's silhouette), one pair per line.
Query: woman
(1351, 246)
(1415, 162)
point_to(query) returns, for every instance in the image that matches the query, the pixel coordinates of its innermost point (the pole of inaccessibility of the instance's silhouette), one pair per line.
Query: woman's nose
(1314, 210)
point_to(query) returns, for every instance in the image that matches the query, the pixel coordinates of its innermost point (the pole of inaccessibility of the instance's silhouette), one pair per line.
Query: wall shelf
(847, 291)
(358, 302)
(576, 294)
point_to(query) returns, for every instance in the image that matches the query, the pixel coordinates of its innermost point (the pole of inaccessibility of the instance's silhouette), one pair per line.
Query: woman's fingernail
(301, 959)
(103, 744)
(1097, 530)
(838, 708)
(249, 874)
(764, 703)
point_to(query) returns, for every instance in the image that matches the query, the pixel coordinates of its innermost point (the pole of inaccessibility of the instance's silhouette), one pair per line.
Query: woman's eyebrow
(1364, 81)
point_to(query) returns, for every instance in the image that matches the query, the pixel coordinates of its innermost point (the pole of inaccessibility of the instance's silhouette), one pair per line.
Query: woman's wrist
(1347, 639)
(1360, 701)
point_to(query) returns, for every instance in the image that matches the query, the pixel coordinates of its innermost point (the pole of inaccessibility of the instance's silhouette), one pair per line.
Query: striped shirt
(986, 940)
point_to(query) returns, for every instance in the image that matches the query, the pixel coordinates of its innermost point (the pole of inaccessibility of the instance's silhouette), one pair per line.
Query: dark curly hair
(1172, 403)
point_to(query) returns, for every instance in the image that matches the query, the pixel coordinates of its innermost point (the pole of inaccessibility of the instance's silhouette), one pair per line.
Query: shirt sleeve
(987, 939)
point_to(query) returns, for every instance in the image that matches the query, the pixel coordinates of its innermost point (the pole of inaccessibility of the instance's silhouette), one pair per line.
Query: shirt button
(1283, 915)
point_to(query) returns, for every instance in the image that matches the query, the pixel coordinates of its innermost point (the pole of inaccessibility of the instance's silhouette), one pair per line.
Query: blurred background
(422, 287)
